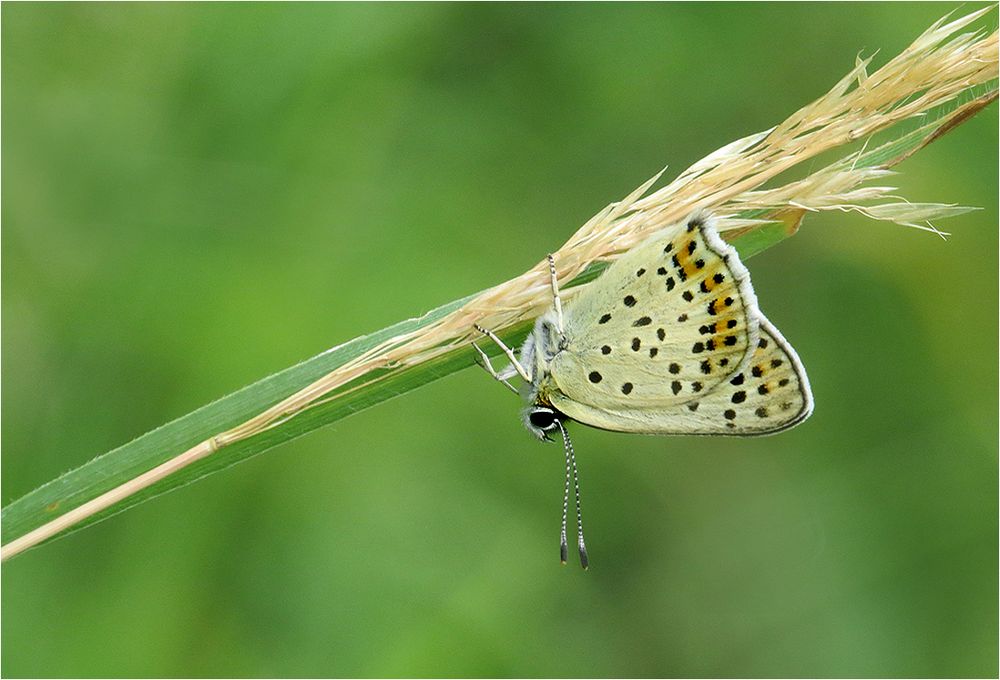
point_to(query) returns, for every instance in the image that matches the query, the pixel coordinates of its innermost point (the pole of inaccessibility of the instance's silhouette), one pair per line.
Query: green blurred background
(195, 196)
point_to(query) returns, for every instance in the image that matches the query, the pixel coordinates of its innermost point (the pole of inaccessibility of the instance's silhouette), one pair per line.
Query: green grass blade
(145, 452)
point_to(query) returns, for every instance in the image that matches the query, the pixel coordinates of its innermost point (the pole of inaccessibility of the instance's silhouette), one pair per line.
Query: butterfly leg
(488, 366)
(506, 350)
(556, 300)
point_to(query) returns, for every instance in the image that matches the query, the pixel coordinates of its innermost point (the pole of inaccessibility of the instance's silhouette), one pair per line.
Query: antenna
(571, 466)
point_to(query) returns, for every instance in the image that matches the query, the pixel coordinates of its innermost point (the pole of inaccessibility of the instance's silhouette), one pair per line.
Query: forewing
(770, 395)
(666, 323)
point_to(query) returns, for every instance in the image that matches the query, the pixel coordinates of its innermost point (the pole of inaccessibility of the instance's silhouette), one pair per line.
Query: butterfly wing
(771, 394)
(666, 323)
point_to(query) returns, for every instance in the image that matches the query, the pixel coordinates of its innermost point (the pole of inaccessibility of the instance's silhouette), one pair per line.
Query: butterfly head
(542, 420)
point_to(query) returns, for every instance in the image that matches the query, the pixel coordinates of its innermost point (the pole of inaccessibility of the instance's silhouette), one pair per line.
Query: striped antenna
(571, 467)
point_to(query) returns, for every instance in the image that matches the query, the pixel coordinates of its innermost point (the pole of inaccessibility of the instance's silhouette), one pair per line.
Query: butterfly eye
(542, 418)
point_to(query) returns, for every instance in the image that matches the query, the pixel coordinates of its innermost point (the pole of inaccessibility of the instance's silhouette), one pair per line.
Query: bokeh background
(195, 196)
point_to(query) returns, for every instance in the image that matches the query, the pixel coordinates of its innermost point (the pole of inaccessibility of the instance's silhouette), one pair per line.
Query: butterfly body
(668, 344)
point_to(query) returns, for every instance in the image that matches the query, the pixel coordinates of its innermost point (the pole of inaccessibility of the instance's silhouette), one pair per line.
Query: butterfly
(668, 340)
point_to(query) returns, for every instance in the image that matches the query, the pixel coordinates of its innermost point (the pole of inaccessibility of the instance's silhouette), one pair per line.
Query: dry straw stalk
(936, 69)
